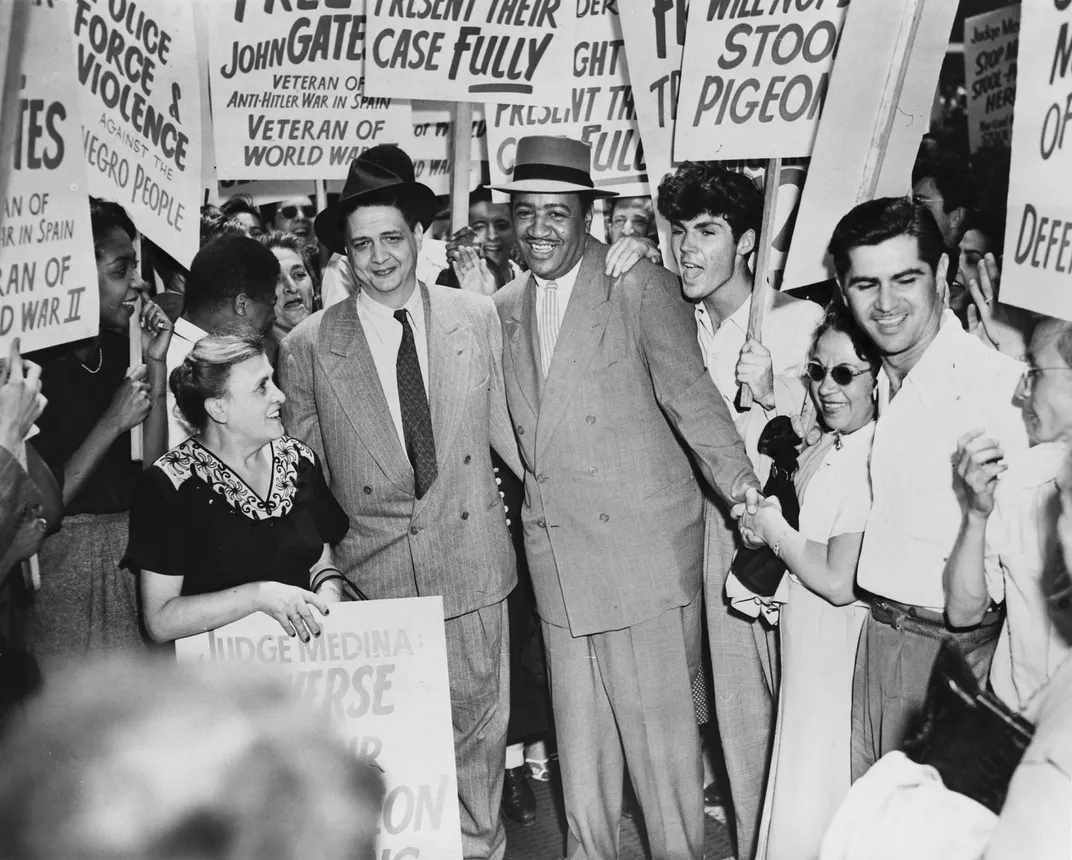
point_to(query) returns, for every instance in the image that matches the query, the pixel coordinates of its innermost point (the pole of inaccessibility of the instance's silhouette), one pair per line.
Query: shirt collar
(565, 282)
(739, 317)
(414, 306)
(188, 331)
(932, 375)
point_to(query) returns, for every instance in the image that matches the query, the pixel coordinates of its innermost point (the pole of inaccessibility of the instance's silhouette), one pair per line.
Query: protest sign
(465, 51)
(654, 34)
(429, 145)
(600, 110)
(1037, 266)
(141, 114)
(877, 109)
(48, 274)
(288, 93)
(754, 77)
(209, 179)
(991, 43)
(379, 669)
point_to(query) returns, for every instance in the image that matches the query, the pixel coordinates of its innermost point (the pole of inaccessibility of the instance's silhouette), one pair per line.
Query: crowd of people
(547, 431)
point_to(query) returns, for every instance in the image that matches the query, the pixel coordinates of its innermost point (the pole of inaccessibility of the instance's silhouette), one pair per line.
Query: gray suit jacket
(453, 541)
(614, 514)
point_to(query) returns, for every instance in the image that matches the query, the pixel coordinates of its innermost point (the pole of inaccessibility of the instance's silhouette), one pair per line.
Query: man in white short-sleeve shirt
(937, 382)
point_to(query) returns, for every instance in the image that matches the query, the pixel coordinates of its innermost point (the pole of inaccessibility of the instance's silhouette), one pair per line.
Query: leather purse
(972, 738)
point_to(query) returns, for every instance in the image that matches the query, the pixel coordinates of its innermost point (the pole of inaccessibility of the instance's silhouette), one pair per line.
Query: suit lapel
(449, 345)
(524, 346)
(582, 328)
(353, 374)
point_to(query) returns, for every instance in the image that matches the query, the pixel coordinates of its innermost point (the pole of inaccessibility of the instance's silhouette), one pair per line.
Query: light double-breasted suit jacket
(454, 540)
(614, 513)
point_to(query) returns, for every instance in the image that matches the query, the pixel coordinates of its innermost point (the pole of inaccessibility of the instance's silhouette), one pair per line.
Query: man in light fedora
(399, 389)
(609, 397)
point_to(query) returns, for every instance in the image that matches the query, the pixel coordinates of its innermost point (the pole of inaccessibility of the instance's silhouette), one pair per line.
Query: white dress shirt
(958, 385)
(183, 338)
(1021, 537)
(788, 328)
(384, 335)
(338, 280)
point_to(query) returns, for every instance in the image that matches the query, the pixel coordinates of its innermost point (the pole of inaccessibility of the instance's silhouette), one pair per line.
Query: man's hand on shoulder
(627, 252)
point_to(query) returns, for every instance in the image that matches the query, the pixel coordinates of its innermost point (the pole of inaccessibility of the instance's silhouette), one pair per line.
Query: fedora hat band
(553, 172)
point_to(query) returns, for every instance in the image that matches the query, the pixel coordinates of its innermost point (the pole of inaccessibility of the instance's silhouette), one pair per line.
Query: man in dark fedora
(399, 389)
(609, 397)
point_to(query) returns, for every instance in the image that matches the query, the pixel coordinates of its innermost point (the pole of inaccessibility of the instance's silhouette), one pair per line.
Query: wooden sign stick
(136, 452)
(761, 289)
(461, 157)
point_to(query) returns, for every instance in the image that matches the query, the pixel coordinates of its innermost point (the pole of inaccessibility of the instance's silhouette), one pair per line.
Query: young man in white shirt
(715, 216)
(937, 382)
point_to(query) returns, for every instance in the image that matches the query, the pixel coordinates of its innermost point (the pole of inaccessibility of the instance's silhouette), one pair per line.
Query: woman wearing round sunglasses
(821, 620)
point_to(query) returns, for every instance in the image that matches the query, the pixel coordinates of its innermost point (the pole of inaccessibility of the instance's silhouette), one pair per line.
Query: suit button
(591, 419)
(593, 471)
(520, 430)
(465, 515)
(604, 518)
(469, 459)
(541, 478)
(367, 491)
(540, 524)
(413, 530)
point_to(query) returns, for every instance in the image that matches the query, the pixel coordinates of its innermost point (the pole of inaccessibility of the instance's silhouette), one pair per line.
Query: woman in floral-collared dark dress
(238, 518)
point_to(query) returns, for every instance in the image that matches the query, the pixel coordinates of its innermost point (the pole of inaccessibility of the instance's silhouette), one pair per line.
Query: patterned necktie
(548, 322)
(416, 417)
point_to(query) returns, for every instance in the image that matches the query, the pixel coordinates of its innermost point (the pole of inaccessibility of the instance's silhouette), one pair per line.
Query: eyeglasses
(292, 211)
(1032, 374)
(842, 374)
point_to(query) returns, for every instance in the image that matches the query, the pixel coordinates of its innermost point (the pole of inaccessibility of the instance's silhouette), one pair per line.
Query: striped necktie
(548, 321)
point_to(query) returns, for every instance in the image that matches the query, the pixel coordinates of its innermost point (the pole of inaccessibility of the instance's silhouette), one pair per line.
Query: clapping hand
(978, 463)
(472, 271)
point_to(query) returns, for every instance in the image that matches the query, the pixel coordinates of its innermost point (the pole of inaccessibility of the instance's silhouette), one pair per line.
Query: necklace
(100, 361)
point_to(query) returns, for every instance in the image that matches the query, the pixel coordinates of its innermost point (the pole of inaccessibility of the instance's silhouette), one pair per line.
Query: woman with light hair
(238, 518)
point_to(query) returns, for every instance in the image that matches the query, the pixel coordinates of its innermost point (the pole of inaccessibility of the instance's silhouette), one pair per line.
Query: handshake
(759, 519)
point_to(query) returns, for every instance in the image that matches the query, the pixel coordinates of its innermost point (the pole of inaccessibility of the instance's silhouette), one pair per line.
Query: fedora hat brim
(552, 186)
(330, 225)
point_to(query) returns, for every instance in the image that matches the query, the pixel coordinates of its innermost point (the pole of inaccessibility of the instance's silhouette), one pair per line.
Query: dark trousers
(897, 650)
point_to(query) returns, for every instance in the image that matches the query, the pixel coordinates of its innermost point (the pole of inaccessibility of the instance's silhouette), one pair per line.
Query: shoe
(539, 769)
(518, 799)
(712, 796)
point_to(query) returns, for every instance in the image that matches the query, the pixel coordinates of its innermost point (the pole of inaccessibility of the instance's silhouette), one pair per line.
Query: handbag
(972, 738)
(760, 570)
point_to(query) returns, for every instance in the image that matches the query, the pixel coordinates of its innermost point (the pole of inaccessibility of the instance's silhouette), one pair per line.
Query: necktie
(416, 417)
(548, 322)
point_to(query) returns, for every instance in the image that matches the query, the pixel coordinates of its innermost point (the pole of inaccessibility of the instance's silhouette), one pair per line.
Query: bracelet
(777, 545)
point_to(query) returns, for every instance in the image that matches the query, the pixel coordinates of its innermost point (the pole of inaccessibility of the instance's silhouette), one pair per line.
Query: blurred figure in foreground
(148, 760)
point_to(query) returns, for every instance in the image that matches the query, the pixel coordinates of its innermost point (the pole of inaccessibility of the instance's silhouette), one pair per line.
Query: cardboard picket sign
(48, 274)
(991, 45)
(754, 77)
(465, 51)
(430, 142)
(379, 669)
(288, 91)
(140, 103)
(599, 111)
(1037, 265)
(877, 109)
(654, 34)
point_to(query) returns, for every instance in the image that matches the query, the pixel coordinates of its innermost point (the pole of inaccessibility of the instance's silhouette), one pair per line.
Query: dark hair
(204, 373)
(702, 187)
(279, 239)
(105, 216)
(951, 177)
(227, 267)
(480, 194)
(240, 204)
(839, 318)
(878, 221)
